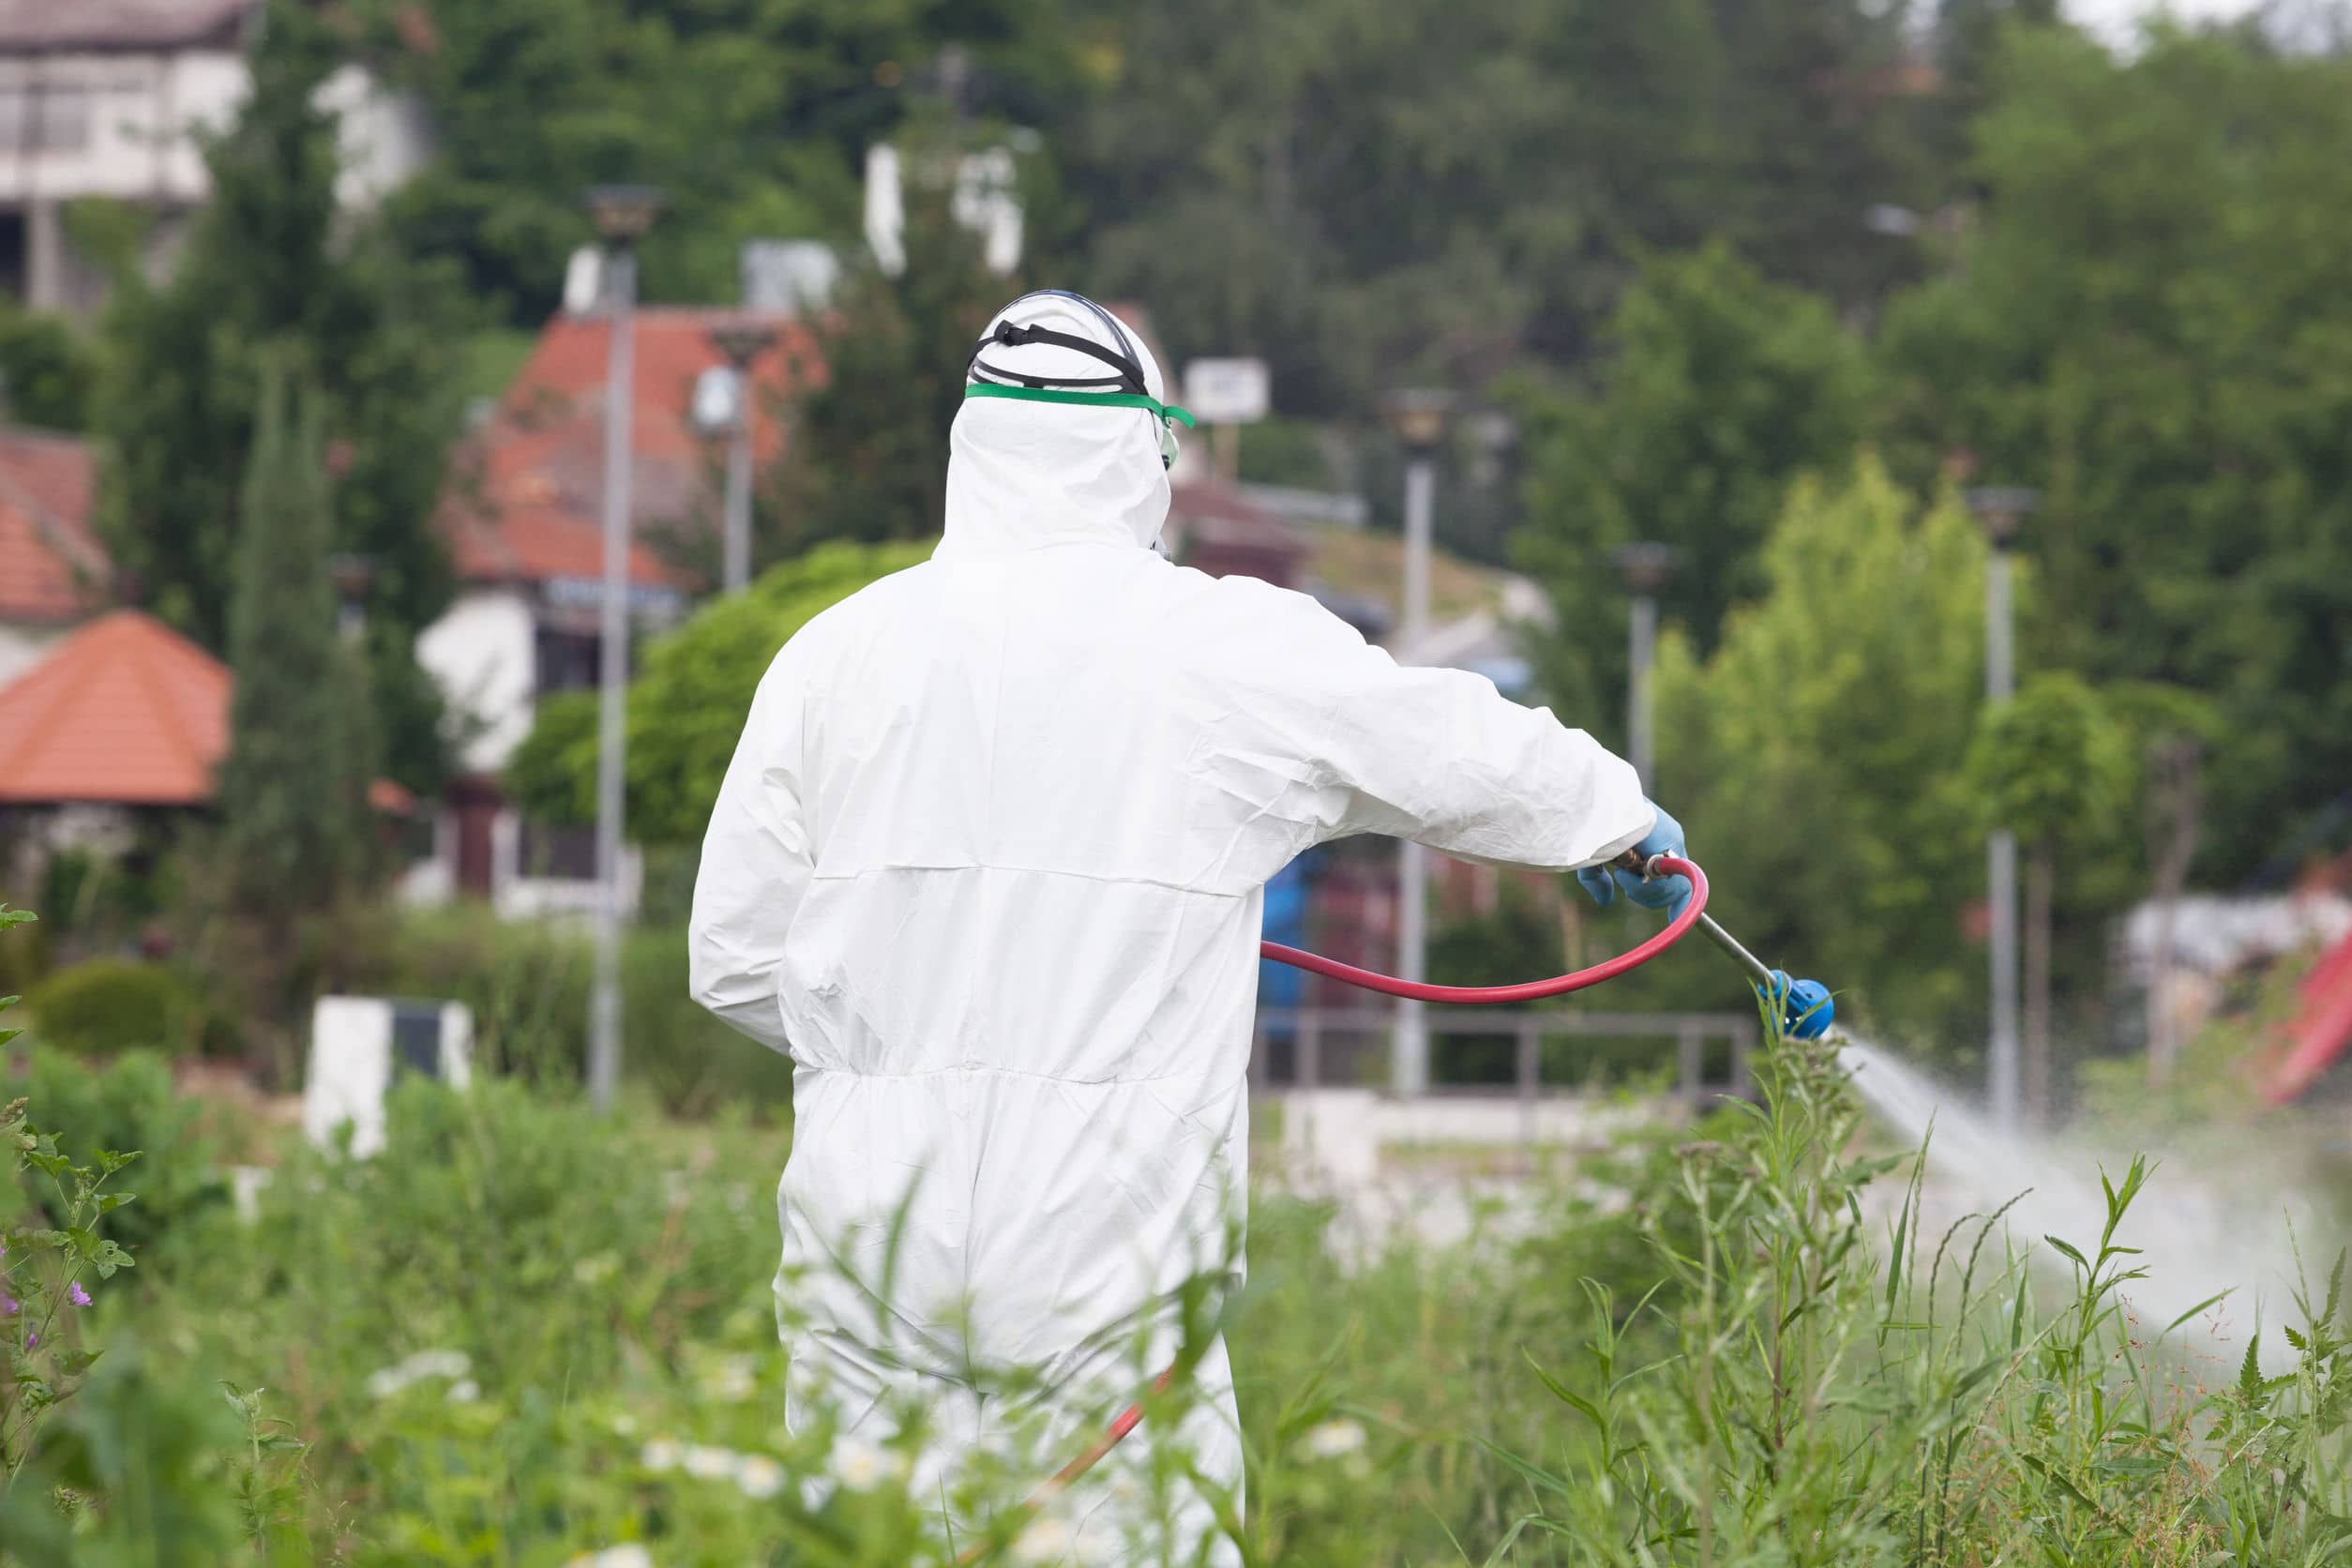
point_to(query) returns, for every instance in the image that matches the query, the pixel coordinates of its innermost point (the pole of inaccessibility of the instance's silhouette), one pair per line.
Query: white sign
(1227, 391)
(360, 1045)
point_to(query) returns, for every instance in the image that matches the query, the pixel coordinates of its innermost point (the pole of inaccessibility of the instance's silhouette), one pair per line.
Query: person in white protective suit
(987, 865)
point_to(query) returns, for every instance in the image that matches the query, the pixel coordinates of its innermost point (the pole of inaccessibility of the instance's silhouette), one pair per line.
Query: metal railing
(1318, 1038)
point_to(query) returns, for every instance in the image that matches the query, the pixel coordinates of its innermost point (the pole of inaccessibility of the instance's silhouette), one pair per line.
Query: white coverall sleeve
(756, 864)
(1441, 756)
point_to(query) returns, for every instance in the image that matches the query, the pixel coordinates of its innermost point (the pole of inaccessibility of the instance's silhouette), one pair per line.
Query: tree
(685, 710)
(2149, 325)
(2054, 766)
(272, 268)
(1816, 756)
(47, 366)
(1968, 44)
(870, 446)
(1373, 195)
(752, 116)
(1722, 389)
(295, 825)
(2171, 730)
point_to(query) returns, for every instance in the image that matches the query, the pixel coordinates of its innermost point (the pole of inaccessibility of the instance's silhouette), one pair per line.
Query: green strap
(1098, 400)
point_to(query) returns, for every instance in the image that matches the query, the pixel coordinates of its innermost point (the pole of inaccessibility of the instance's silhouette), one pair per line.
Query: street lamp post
(622, 215)
(2001, 510)
(1420, 419)
(740, 341)
(1646, 566)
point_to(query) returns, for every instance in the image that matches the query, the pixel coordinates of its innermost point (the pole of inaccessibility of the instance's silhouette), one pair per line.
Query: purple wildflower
(9, 1305)
(77, 1295)
(32, 1341)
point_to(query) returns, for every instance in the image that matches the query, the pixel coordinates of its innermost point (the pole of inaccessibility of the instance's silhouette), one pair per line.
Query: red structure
(2322, 1027)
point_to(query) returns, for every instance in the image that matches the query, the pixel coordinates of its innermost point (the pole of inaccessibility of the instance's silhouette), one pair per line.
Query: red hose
(1529, 990)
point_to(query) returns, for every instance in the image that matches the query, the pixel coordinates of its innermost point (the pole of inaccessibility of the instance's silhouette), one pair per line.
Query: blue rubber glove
(1667, 893)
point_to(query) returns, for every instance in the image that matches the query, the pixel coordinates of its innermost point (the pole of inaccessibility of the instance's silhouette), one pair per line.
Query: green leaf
(2210, 1301)
(1568, 1397)
(1534, 1474)
(2068, 1251)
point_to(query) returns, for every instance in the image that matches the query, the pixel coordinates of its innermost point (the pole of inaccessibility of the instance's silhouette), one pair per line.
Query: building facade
(112, 99)
(525, 522)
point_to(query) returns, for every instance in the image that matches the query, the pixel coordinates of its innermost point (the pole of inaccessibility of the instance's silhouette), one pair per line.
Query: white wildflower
(464, 1392)
(708, 1464)
(595, 1269)
(623, 1423)
(1334, 1439)
(1045, 1540)
(758, 1476)
(391, 1379)
(858, 1463)
(614, 1556)
(731, 1379)
(659, 1454)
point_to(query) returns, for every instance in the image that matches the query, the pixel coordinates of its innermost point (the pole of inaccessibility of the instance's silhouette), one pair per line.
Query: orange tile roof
(52, 565)
(124, 711)
(529, 504)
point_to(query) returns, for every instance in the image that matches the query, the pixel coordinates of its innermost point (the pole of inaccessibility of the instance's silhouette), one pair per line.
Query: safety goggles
(1169, 414)
(1127, 389)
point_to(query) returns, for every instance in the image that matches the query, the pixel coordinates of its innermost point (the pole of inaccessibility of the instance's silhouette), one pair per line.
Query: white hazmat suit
(987, 864)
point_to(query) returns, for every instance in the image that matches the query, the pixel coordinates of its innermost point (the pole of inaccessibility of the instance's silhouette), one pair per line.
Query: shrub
(105, 1006)
(129, 1103)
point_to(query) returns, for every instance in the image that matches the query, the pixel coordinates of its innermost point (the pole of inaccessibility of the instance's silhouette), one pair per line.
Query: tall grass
(525, 1334)
(1795, 1393)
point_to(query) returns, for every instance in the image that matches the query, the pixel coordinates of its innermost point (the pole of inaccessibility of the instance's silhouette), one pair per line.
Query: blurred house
(121, 716)
(110, 731)
(111, 99)
(53, 572)
(525, 522)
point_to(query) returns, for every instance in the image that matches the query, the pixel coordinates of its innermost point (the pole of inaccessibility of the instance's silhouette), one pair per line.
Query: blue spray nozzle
(1806, 1010)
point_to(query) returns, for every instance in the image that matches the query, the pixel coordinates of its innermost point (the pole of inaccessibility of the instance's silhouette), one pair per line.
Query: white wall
(482, 654)
(385, 136)
(128, 125)
(132, 118)
(21, 647)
